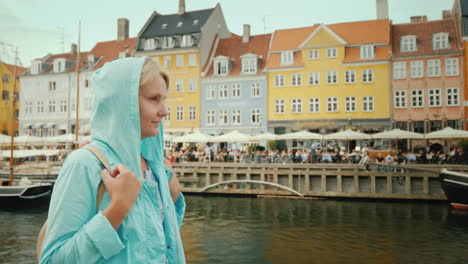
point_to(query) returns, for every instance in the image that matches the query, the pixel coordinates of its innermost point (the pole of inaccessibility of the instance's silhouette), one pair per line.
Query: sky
(40, 27)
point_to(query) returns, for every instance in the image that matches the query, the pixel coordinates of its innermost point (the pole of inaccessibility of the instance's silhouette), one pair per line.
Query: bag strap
(103, 160)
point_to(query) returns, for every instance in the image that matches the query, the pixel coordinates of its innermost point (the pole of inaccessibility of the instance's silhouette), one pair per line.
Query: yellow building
(181, 44)
(329, 77)
(7, 72)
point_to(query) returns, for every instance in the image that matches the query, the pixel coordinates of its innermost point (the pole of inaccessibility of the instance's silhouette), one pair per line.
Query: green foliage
(463, 144)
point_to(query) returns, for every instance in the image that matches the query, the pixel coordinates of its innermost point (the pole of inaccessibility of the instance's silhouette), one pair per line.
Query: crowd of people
(329, 154)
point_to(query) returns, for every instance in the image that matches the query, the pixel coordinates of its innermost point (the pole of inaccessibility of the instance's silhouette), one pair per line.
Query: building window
(180, 61)
(417, 69)
(5, 95)
(451, 67)
(211, 117)
(314, 105)
(332, 105)
(52, 86)
(296, 79)
(221, 67)
(168, 117)
(223, 91)
(350, 76)
(314, 78)
(255, 116)
(287, 57)
(350, 104)
(192, 112)
(433, 68)
(236, 117)
(192, 85)
(150, 44)
(435, 97)
(331, 53)
(249, 65)
(400, 99)
(236, 90)
(417, 98)
(408, 44)
(453, 97)
(332, 77)
(187, 41)
(192, 60)
(279, 80)
(163, 26)
(313, 54)
(368, 103)
(279, 106)
(367, 75)
(440, 41)
(180, 85)
(211, 92)
(255, 90)
(6, 78)
(179, 113)
(40, 107)
(167, 62)
(399, 70)
(223, 117)
(367, 52)
(63, 106)
(297, 105)
(168, 42)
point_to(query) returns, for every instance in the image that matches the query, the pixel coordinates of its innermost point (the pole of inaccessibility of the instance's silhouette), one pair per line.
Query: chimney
(382, 9)
(416, 19)
(73, 49)
(246, 35)
(446, 14)
(122, 29)
(181, 7)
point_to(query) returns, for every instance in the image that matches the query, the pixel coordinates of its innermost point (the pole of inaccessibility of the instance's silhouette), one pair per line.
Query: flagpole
(77, 123)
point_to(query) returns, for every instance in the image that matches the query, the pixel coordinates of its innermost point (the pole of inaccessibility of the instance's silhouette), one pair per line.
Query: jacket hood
(115, 120)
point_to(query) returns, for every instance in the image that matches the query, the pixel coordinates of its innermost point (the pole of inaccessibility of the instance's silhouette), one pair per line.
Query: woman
(139, 217)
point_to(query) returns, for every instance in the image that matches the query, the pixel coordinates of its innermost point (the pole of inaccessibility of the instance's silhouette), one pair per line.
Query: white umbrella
(301, 135)
(168, 137)
(264, 137)
(347, 135)
(193, 138)
(447, 132)
(5, 139)
(398, 134)
(234, 136)
(67, 138)
(26, 139)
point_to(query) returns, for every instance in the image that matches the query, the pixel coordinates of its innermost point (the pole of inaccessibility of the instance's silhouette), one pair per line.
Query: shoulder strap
(103, 160)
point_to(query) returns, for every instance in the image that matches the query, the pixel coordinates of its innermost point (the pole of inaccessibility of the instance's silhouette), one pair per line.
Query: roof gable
(322, 36)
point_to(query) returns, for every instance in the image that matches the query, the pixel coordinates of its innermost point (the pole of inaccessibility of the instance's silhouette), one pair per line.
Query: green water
(266, 230)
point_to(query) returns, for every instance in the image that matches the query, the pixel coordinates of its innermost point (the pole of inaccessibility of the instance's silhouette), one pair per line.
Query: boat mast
(77, 123)
(12, 120)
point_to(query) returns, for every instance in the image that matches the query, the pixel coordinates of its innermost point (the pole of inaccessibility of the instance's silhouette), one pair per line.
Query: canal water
(271, 230)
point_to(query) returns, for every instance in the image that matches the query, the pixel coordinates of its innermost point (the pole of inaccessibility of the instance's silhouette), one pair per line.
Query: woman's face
(152, 101)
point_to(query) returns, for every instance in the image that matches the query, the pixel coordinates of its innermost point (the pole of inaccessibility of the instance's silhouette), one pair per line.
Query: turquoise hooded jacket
(77, 231)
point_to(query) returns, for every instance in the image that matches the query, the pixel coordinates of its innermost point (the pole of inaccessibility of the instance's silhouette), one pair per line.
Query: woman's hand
(123, 187)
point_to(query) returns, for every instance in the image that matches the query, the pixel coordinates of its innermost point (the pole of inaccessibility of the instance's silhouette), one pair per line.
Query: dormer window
(168, 42)
(163, 26)
(150, 44)
(408, 44)
(367, 52)
(90, 59)
(122, 54)
(179, 24)
(249, 64)
(187, 41)
(221, 66)
(287, 57)
(36, 67)
(59, 65)
(195, 22)
(440, 41)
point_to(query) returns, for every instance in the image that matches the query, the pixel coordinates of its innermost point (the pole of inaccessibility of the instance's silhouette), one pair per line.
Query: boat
(24, 189)
(455, 186)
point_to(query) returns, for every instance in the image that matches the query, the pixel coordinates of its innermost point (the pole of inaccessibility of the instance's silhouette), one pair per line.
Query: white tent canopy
(193, 138)
(447, 132)
(5, 139)
(29, 153)
(266, 136)
(234, 136)
(301, 135)
(347, 135)
(168, 137)
(66, 138)
(26, 139)
(398, 134)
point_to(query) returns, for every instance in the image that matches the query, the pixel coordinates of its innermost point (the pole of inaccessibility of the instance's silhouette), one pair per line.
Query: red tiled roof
(108, 51)
(423, 32)
(11, 68)
(363, 32)
(234, 48)
(289, 39)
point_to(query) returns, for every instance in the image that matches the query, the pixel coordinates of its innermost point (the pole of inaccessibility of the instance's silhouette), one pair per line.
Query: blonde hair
(150, 70)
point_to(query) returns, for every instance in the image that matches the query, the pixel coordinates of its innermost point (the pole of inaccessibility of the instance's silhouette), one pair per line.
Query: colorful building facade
(9, 88)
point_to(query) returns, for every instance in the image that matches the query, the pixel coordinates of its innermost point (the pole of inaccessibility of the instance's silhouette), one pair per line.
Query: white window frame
(210, 117)
(192, 85)
(279, 80)
(350, 76)
(296, 79)
(350, 104)
(192, 60)
(211, 92)
(400, 100)
(236, 90)
(417, 69)
(314, 78)
(236, 117)
(168, 117)
(368, 104)
(180, 113)
(332, 104)
(255, 90)
(433, 68)
(255, 116)
(440, 41)
(367, 52)
(368, 75)
(223, 91)
(279, 106)
(452, 67)
(314, 54)
(453, 96)
(179, 60)
(179, 85)
(221, 67)
(167, 62)
(192, 112)
(417, 98)
(249, 65)
(287, 57)
(332, 77)
(296, 105)
(399, 70)
(408, 44)
(435, 97)
(314, 105)
(150, 44)
(332, 52)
